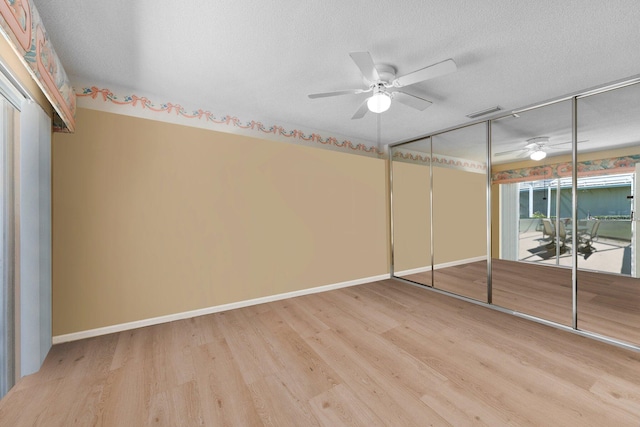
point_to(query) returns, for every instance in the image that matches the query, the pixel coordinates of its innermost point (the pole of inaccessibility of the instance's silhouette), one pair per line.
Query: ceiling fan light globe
(379, 102)
(538, 155)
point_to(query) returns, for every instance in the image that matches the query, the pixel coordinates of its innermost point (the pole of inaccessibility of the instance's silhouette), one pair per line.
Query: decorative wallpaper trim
(21, 25)
(614, 165)
(440, 160)
(176, 111)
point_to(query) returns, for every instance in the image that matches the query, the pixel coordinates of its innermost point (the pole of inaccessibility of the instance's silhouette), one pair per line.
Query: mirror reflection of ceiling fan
(536, 148)
(385, 86)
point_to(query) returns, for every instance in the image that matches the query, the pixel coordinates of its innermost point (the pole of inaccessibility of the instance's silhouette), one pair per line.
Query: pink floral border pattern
(169, 108)
(21, 25)
(609, 166)
(441, 161)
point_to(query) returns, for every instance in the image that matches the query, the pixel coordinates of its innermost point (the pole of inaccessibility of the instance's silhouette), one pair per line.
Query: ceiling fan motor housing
(386, 74)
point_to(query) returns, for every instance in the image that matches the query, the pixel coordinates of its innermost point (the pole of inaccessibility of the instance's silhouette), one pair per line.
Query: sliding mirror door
(459, 172)
(411, 209)
(531, 194)
(608, 178)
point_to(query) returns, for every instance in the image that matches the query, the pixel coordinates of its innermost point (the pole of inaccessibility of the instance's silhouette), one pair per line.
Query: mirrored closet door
(556, 209)
(531, 195)
(411, 210)
(459, 171)
(608, 277)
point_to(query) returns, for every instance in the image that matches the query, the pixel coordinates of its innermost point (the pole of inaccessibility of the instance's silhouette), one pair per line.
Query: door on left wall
(8, 360)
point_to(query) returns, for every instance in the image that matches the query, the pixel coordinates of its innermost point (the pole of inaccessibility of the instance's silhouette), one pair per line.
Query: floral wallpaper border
(612, 165)
(440, 160)
(21, 25)
(141, 102)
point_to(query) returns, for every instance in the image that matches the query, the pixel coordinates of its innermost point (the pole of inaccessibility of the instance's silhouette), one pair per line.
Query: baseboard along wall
(439, 266)
(58, 339)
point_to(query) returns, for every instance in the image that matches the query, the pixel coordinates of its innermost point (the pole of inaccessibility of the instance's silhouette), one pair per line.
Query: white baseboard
(460, 262)
(209, 310)
(412, 271)
(439, 266)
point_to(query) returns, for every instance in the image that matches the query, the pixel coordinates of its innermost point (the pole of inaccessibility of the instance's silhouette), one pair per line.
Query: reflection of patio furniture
(586, 238)
(547, 230)
(582, 226)
(543, 228)
(550, 230)
(564, 234)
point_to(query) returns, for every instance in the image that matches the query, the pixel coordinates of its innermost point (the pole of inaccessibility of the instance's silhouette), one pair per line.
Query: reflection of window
(538, 199)
(604, 197)
(604, 233)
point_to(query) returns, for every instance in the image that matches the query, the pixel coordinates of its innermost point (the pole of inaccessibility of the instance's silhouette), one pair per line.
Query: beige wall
(459, 215)
(411, 216)
(151, 219)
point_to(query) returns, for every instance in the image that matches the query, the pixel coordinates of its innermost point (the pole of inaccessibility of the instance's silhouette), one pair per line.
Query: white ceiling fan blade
(365, 63)
(504, 153)
(361, 111)
(524, 153)
(412, 100)
(336, 93)
(565, 143)
(430, 72)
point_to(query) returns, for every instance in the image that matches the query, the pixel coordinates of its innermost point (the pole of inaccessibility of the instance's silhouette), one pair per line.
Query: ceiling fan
(536, 148)
(385, 86)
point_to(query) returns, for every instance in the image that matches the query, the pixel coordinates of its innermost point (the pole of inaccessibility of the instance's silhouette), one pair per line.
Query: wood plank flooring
(379, 354)
(608, 304)
(539, 290)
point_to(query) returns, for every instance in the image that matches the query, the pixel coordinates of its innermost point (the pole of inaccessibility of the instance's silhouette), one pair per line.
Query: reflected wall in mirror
(459, 171)
(411, 186)
(608, 175)
(531, 193)
(537, 240)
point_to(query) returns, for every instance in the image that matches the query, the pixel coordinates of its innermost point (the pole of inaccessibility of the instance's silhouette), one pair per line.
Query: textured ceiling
(259, 60)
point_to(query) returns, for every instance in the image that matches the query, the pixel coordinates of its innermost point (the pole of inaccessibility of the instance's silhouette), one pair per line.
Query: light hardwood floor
(383, 353)
(608, 304)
